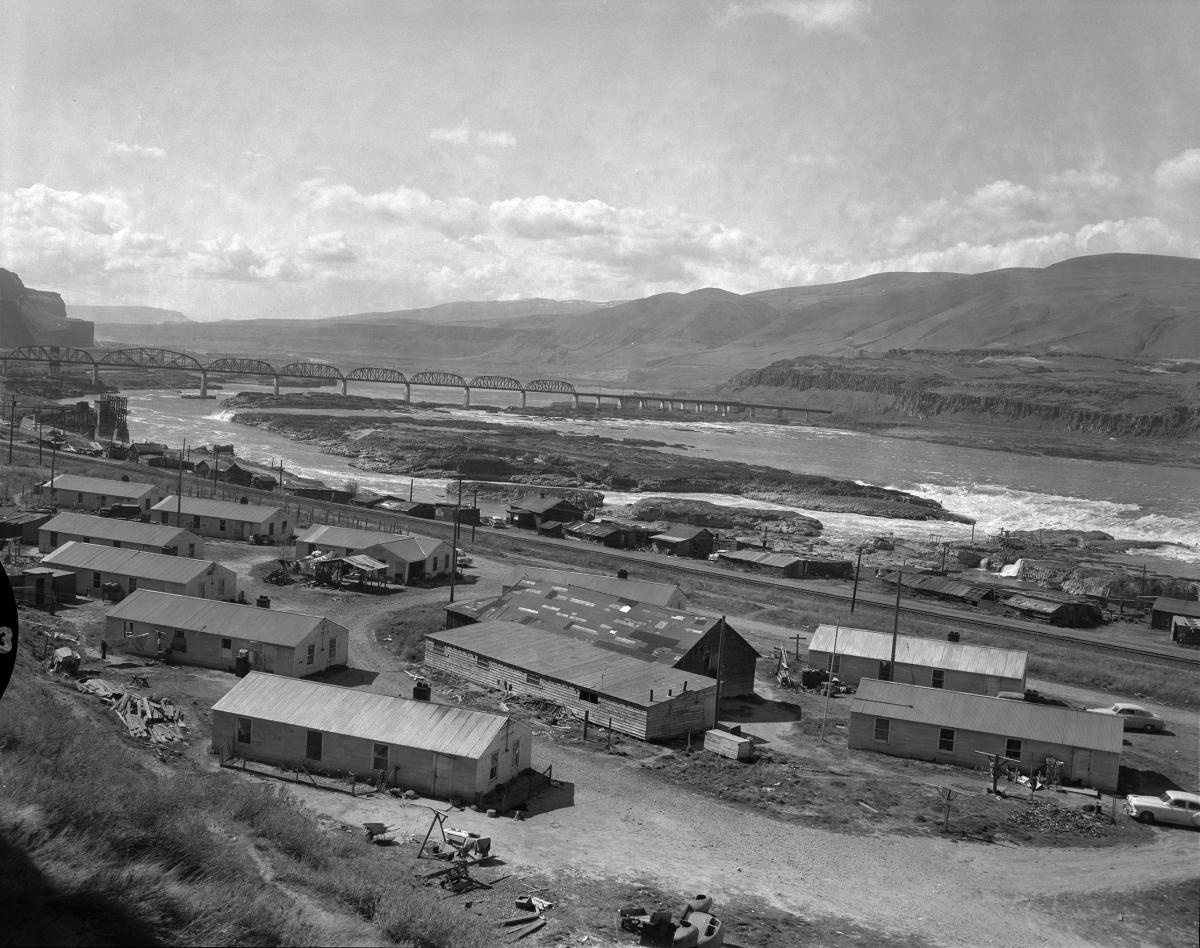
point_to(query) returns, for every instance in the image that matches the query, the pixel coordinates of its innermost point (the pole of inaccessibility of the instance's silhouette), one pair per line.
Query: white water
(998, 489)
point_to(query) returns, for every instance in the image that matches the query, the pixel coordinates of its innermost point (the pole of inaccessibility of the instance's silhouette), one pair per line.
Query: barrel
(264, 602)
(241, 664)
(422, 691)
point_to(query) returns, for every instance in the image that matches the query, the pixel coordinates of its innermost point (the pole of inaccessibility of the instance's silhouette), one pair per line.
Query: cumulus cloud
(331, 247)
(499, 139)
(455, 136)
(462, 135)
(232, 258)
(1181, 172)
(125, 149)
(809, 16)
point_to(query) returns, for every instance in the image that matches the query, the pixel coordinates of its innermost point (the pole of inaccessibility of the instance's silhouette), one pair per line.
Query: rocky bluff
(38, 317)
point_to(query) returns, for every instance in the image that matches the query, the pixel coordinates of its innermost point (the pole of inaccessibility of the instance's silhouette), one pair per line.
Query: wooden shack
(99, 568)
(94, 493)
(220, 518)
(119, 534)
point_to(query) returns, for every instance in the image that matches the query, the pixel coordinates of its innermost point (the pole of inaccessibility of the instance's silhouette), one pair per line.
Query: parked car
(1136, 717)
(463, 560)
(1173, 806)
(498, 522)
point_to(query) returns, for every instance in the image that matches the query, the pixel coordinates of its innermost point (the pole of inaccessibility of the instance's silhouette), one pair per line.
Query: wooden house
(645, 699)
(94, 493)
(682, 540)
(1166, 608)
(952, 727)
(323, 538)
(23, 527)
(442, 751)
(189, 631)
(98, 566)
(120, 534)
(860, 654)
(411, 559)
(681, 639)
(530, 511)
(1185, 630)
(223, 519)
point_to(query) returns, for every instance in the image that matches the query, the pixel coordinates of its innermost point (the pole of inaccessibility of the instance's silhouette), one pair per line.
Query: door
(443, 770)
(1081, 767)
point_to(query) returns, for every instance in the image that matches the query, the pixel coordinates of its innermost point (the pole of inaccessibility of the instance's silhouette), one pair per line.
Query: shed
(952, 727)
(694, 542)
(656, 594)
(438, 750)
(220, 518)
(763, 561)
(43, 586)
(323, 538)
(92, 493)
(529, 511)
(1075, 613)
(683, 639)
(24, 526)
(645, 699)
(122, 534)
(610, 533)
(189, 631)
(411, 508)
(411, 559)
(97, 566)
(862, 654)
(1165, 609)
(1185, 630)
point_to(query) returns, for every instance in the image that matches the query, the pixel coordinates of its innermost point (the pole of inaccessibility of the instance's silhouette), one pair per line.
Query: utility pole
(179, 488)
(829, 680)
(454, 540)
(12, 424)
(53, 458)
(857, 568)
(895, 626)
(720, 658)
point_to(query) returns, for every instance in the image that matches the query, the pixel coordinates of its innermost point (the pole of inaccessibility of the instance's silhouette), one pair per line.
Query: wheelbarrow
(378, 832)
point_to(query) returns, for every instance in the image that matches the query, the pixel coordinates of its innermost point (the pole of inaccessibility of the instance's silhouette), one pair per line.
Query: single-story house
(237, 472)
(1072, 613)
(620, 536)
(952, 727)
(643, 698)
(95, 566)
(860, 654)
(438, 750)
(682, 540)
(1166, 608)
(786, 565)
(1185, 630)
(452, 512)
(668, 595)
(530, 511)
(938, 587)
(221, 518)
(190, 631)
(684, 640)
(24, 527)
(122, 534)
(92, 493)
(323, 538)
(43, 586)
(411, 559)
(413, 508)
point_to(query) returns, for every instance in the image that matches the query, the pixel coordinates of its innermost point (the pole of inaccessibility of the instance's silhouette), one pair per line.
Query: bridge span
(153, 358)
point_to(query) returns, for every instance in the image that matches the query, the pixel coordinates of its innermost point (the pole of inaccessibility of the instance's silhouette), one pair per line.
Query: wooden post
(797, 638)
(829, 682)
(610, 732)
(857, 568)
(585, 723)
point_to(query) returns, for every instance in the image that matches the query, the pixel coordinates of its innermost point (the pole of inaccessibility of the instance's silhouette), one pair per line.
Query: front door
(1081, 767)
(443, 768)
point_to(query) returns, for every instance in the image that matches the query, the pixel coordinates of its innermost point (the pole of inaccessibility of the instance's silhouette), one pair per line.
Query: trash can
(241, 665)
(422, 691)
(264, 602)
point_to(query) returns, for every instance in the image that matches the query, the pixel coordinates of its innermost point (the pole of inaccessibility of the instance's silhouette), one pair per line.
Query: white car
(1172, 806)
(1136, 717)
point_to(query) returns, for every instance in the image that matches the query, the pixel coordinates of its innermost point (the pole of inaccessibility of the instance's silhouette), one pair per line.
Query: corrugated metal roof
(124, 531)
(409, 549)
(1179, 607)
(443, 729)
(617, 623)
(585, 528)
(914, 650)
(761, 558)
(986, 715)
(269, 626)
(535, 503)
(1030, 604)
(362, 561)
(125, 562)
(640, 590)
(344, 537)
(101, 485)
(575, 662)
(678, 534)
(221, 509)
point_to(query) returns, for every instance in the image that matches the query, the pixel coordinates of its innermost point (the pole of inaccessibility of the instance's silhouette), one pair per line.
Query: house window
(585, 695)
(312, 745)
(243, 730)
(495, 768)
(379, 757)
(885, 671)
(270, 529)
(179, 641)
(79, 495)
(437, 646)
(312, 653)
(195, 521)
(226, 648)
(883, 729)
(162, 516)
(532, 679)
(332, 649)
(95, 580)
(191, 549)
(128, 628)
(516, 755)
(132, 583)
(937, 679)
(946, 739)
(103, 500)
(1012, 748)
(483, 662)
(222, 526)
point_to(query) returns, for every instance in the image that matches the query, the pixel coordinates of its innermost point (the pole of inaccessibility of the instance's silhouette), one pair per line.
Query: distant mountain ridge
(135, 315)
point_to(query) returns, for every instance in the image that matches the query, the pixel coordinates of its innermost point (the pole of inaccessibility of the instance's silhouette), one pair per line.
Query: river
(998, 489)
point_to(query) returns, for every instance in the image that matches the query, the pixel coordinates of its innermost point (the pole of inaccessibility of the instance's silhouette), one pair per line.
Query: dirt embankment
(400, 442)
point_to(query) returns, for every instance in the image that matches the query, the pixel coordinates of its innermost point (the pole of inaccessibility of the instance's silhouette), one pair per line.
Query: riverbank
(387, 436)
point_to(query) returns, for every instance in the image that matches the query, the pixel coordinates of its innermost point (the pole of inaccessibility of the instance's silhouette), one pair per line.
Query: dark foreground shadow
(557, 796)
(346, 677)
(1144, 782)
(748, 712)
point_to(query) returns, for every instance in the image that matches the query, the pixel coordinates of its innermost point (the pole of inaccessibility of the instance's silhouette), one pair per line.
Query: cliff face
(38, 317)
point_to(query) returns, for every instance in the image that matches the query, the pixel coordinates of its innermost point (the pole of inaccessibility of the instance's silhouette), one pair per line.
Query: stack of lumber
(146, 718)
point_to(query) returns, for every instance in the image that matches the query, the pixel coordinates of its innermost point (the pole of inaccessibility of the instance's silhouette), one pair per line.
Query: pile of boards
(145, 718)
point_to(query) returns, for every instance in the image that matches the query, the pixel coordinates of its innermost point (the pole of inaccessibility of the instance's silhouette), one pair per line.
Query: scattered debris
(157, 721)
(1049, 817)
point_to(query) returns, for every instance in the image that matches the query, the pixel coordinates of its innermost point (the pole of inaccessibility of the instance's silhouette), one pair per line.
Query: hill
(133, 315)
(37, 317)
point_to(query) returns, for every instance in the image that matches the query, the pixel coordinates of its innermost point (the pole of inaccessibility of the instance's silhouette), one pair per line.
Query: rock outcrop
(38, 317)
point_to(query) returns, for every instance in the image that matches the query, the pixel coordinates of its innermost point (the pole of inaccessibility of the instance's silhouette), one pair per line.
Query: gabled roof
(614, 623)
(109, 528)
(443, 729)
(344, 537)
(914, 650)
(639, 590)
(1179, 607)
(540, 503)
(1023, 720)
(101, 485)
(408, 549)
(761, 558)
(268, 626)
(586, 528)
(126, 562)
(681, 532)
(221, 509)
(577, 663)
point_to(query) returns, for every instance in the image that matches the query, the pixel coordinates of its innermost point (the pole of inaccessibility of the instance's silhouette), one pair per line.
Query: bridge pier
(407, 394)
(523, 394)
(575, 400)
(779, 413)
(275, 384)
(467, 396)
(95, 374)
(54, 369)
(345, 386)
(203, 383)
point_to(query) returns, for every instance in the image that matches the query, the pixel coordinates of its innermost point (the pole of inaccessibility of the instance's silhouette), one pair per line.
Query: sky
(266, 159)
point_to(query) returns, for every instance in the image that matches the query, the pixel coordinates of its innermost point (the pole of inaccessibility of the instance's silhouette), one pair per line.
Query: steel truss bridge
(151, 358)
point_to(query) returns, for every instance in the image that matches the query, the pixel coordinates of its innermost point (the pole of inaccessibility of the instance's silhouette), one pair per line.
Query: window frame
(376, 757)
(244, 733)
(591, 697)
(937, 678)
(494, 766)
(946, 740)
(882, 726)
(1008, 747)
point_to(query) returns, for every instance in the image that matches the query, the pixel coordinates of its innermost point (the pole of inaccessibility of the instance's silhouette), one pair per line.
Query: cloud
(136, 151)
(453, 217)
(809, 16)
(461, 135)
(1181, 172)
(254, 156)
(456, 136)
(331, 247)
(496, 139)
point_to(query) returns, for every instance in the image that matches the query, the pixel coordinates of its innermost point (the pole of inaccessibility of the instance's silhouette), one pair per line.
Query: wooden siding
(853, 668)
(919, 741)
(205, 586)
(66, 499)
(685, 712)
(275, 528)
(738, 661)
(441, 776)
(189, 545)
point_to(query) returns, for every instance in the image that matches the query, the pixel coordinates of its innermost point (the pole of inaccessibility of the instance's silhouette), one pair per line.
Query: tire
(1147, 818)
(1148, 728)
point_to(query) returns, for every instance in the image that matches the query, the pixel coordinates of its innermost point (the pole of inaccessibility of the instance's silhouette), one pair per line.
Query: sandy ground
(627, 825)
